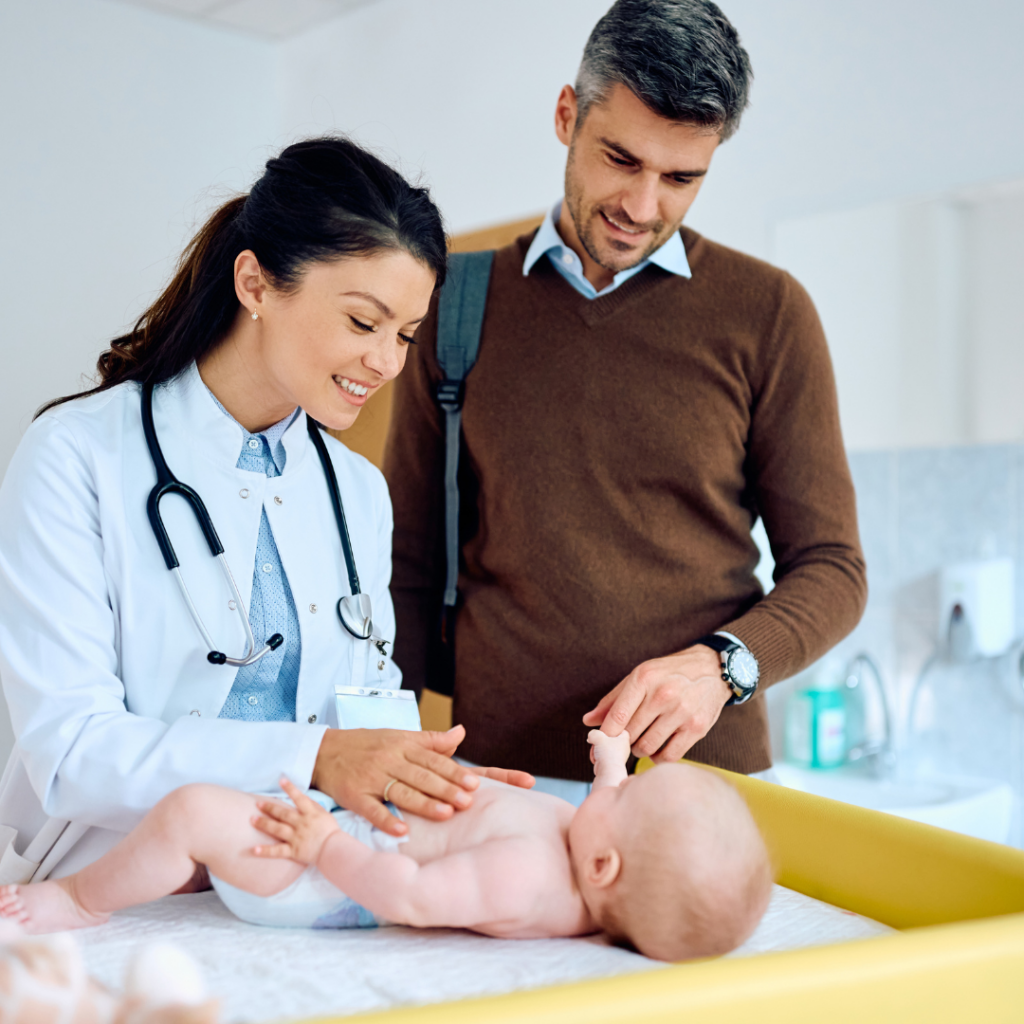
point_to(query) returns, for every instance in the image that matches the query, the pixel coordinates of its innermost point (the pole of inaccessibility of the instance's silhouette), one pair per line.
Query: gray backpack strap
(460, 317)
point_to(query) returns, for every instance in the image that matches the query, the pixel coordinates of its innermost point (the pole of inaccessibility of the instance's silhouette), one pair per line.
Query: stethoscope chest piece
(356, 615)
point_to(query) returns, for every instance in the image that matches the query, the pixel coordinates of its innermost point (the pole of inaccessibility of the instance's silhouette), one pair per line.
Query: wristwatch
(739, 667)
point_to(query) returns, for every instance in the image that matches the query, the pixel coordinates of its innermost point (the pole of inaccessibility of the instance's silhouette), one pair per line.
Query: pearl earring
(255, 315)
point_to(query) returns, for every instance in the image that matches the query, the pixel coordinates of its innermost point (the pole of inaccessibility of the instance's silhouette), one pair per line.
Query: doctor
(301, 297)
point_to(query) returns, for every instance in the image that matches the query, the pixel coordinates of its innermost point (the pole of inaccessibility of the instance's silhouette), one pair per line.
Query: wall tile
(955, 504)
(920, 510)
(875, 481)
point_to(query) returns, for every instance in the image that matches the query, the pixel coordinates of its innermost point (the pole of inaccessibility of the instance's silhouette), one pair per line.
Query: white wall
(852, 103)
(119, 128)
(994, 243)
(462, 90)
(893, 283)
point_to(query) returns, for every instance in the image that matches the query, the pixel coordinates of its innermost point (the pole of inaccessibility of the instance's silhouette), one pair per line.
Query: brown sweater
(623, 447)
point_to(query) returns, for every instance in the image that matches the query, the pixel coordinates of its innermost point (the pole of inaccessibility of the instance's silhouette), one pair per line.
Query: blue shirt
(265, 691)
(548, 242)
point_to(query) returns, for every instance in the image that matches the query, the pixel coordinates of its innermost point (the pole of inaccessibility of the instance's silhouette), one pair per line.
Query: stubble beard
(585, 221)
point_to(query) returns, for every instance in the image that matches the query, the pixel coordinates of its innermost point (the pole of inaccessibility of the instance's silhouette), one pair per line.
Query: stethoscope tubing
(354, 611)
(168, 483)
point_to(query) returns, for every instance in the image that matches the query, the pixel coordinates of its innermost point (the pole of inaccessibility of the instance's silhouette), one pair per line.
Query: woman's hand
(300, 831)
(357, 766)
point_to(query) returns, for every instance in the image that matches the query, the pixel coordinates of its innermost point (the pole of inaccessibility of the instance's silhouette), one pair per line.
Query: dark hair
(681, 57)
(321, 199)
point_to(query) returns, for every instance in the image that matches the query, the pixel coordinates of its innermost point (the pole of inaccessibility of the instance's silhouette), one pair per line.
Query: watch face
(743, 669)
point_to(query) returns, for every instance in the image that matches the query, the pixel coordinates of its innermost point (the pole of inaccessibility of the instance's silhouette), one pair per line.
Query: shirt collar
(671, 256)
(274, 434)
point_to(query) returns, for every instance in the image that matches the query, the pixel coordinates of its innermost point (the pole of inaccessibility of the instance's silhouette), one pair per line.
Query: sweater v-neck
(597, 310)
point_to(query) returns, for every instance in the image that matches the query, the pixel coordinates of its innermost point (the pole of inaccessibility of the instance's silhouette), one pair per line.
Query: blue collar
(548, 242)
(273, 434)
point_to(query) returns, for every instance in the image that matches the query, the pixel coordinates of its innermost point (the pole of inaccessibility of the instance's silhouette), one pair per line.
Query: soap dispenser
(816, 720)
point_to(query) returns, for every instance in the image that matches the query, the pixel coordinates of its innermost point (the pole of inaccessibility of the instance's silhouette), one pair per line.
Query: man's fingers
(676, 748)
(620, 714)
(657, 734)
(597, 715)
(378, 815)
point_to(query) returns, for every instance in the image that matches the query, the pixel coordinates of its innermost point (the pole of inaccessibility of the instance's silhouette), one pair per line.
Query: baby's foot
(46, 907)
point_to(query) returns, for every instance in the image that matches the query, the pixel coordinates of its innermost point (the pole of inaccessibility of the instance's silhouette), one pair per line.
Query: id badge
(365, 707)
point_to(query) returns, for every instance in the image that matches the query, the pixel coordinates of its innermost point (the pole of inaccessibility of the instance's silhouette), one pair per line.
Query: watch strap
(717, 642)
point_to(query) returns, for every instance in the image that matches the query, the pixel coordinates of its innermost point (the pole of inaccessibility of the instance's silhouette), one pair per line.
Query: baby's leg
(196, 824)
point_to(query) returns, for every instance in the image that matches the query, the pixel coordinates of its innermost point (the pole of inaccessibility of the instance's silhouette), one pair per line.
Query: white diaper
(311, 901)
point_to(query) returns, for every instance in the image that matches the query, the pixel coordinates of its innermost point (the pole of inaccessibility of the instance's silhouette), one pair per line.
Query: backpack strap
(460, 317)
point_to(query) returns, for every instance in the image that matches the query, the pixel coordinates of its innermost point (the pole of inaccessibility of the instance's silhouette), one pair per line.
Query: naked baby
(669, 862)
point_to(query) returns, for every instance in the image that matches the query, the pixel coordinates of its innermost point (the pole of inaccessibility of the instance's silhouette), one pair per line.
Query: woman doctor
(298, 299)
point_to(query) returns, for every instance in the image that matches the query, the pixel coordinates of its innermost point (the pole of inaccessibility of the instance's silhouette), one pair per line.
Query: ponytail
(323, 199)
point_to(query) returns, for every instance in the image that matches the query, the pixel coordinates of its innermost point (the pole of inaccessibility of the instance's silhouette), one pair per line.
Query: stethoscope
(354, 611)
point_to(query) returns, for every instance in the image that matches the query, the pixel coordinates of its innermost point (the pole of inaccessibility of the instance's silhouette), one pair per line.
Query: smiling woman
(289, 309)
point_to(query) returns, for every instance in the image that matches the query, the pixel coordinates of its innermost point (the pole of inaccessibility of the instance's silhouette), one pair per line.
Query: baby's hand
(608, 750)
(301, 830)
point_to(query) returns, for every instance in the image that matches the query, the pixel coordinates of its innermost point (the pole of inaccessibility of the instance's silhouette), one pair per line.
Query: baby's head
(672, 863)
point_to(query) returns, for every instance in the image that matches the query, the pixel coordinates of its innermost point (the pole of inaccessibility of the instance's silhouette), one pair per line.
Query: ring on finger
(387, 788)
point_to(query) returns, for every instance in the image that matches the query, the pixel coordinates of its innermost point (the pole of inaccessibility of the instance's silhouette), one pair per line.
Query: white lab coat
(113, 701)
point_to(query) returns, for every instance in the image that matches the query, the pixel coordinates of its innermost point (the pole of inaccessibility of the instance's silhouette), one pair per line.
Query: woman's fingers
(510, 776)
(378, 815)
(445, 743)
(437, 776)
(409, 799)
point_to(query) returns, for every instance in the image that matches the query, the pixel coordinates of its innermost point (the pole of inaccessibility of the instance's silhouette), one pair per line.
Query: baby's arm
(609, 754)
(500, 881)
(497, 882)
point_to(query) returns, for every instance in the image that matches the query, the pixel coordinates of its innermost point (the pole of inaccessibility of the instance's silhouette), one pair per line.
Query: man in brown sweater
(640, 397)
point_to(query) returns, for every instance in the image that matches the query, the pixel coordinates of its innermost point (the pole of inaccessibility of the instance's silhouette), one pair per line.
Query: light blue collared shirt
(265, 690)
(548, 242)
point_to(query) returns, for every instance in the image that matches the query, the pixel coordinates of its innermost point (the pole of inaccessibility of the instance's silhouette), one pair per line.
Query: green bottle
(816, 725)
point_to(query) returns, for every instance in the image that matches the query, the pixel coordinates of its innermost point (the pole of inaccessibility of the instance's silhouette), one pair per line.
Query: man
(641, 396)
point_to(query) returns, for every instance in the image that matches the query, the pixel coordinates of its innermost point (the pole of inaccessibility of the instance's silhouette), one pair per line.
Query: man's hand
(666, 704)
(300, 831)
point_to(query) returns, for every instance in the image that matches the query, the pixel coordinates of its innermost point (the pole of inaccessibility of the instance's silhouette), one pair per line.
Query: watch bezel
(741, 692)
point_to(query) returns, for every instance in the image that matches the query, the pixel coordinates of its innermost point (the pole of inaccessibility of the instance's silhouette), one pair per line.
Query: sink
(975, 807)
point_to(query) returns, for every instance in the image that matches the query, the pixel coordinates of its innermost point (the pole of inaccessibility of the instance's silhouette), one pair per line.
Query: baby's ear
(603, 869)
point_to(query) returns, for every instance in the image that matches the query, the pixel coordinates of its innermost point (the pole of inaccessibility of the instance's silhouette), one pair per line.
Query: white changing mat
(264, 974)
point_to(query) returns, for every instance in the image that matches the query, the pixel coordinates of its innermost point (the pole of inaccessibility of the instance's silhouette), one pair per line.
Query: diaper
(311, 901)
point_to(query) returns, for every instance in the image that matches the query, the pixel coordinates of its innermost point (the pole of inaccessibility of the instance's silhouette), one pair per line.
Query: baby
(668, 862)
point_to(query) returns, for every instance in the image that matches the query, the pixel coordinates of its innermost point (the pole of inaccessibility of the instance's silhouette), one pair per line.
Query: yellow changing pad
(958, 902)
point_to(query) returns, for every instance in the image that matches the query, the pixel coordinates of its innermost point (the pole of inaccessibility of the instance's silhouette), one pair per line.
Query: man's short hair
(681, 57)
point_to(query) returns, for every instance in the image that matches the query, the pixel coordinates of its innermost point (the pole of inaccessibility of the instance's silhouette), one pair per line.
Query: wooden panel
(493, 237)
(370, 430)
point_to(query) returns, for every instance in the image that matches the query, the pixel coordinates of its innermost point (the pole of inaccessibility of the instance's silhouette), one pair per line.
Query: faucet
(881, 752)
